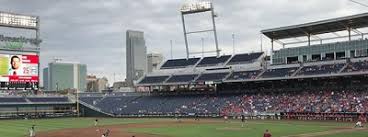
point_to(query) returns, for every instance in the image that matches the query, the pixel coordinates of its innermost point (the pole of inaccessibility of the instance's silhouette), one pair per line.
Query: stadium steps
(199, 75)
(168, 78)
(28, 101)
(94, 108)
(343, 68)
(260, 74)
(141, 78)
(199, 61)
(225, 64)
(296, 72)
(72, 98)
(228, 75)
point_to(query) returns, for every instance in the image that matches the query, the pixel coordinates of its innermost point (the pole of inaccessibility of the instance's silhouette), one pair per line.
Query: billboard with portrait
(18, 68)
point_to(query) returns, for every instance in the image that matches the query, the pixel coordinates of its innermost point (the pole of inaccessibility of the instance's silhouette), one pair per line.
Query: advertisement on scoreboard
(18, 68)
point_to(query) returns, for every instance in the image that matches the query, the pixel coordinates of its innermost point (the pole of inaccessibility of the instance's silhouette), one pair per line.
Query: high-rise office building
(95, 84)
(136, 58)
(153, 61)
(65, 75)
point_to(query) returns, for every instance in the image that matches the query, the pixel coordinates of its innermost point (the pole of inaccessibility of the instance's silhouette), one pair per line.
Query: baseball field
(119, 127)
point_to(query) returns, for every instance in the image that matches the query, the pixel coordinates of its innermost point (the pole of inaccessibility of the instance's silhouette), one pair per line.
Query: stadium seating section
(21, 100)
(308, 101)
(48, 99)
(179, 63)
(212, 76)
(244, 58)
(212, 61)
(182, 78)
(12, 100)
(357, 66)
(153, 79)
(279, 72)
(321, 69)
(243, 75)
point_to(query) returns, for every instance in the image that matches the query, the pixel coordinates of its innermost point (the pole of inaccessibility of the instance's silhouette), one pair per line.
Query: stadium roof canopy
(318, 27)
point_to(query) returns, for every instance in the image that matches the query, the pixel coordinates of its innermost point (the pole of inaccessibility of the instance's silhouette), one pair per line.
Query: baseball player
(358, 124)
(226, 118)
(107, 133)
(242, 120)
(96, 124)
(267, 134)
(32, 132)
(196, 117)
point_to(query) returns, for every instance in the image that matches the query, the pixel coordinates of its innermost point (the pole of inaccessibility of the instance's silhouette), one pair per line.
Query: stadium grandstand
(36, 106)
(315, 79)
(324, 80)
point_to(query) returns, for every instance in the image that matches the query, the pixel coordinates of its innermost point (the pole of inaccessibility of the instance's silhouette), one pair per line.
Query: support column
(271, 56)
(272, 46)
(309, 42)
(185, 35)
(214, 30)
(349, 32)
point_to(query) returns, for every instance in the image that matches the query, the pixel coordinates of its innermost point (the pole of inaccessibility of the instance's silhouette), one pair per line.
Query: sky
(93, 32)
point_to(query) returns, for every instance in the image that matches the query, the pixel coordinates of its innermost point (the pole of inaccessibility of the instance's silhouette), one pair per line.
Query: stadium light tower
(194, 7)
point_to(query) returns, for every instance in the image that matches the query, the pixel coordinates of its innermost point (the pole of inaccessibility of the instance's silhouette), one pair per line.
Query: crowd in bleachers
(304, 102)
(279, 72)
(321, 69)
(357, 66)
(236, 104)
(243, 75)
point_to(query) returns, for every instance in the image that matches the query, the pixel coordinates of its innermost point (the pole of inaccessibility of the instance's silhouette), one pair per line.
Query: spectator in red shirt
(267, 134)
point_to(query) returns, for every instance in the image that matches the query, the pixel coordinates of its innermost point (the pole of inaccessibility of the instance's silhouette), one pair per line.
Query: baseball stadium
(315, 89)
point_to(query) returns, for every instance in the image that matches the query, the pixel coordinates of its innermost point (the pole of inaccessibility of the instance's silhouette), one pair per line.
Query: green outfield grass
(19, 128)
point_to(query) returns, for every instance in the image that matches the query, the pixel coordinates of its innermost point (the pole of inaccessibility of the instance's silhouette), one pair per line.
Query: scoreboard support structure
(24, 22)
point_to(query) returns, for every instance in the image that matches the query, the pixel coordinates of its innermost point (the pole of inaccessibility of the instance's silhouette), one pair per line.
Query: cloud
(93, 31)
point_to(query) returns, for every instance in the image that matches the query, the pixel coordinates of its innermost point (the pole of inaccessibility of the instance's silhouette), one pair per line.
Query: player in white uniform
(96, 124)
(32, 132)
(358, 124)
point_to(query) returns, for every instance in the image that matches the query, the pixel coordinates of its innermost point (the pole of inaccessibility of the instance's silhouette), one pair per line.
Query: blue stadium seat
(243, 75)
(179, 63)
(213, 61)
(212, 76)
(48, 99)
(244, 58)
(357, 67)
(320, 69)
(182, 78)
(279, 72)
(12, 100)
(153, 79)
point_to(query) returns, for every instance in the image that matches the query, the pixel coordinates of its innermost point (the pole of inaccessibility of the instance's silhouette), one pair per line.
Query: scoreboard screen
(19, 70)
